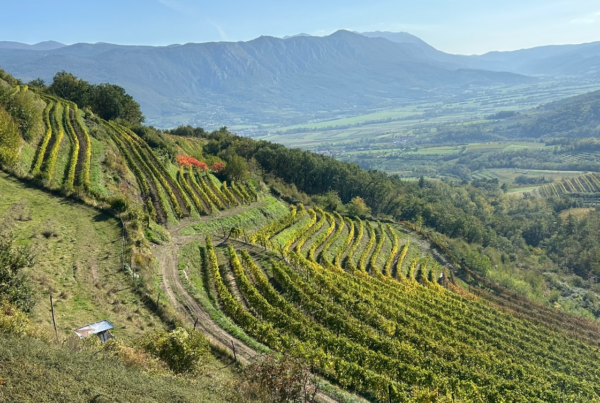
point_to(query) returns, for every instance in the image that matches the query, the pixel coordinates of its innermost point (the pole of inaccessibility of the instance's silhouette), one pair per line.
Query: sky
(453, 26)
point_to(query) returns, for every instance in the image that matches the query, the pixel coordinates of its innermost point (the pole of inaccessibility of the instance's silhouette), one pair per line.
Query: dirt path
(188, 306)
(168, 256)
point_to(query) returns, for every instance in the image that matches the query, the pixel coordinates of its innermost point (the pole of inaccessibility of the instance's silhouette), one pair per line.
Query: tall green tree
(236, 169)
(108, 101)
(67, 86)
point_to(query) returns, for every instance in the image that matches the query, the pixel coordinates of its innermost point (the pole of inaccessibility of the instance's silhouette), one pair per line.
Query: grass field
(509, 174)
(575, 212)
(78, 253)
(471, 109)
(32, 371)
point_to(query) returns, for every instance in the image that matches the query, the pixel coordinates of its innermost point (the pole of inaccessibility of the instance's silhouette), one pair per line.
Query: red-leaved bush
(190, 161)
(218, 167)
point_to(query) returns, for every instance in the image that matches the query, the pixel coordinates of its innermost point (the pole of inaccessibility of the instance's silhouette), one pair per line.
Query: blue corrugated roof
(94, 328)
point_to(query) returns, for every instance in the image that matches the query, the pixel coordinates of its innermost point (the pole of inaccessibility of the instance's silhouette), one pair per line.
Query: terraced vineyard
(378, 308)
(64, 157)
(61, 117)
(585, 187)
(375, 313)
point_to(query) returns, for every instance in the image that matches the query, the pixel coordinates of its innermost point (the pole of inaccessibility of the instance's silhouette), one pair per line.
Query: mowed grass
(32, 371)
(509, 174)
(576, 212)
(522, 190)
(361, 119)
(78, 261)
(269, 209)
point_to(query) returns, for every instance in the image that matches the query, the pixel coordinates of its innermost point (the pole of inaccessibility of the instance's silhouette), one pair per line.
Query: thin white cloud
(175, 6)
(587, 19)
(220, 30)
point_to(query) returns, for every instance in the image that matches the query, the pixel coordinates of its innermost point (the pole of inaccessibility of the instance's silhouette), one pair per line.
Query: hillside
(33, 371)
(578, 60)
(383, 289)
(260, 81)
(557, 60)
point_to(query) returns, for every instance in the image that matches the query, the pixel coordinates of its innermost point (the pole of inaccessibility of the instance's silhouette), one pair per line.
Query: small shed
(100, 329)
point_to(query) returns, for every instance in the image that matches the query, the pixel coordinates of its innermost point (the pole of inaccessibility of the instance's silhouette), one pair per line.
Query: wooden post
(234, 352)
(390, 392)
(132, 271)
(122, 242)
(195, 323)
(157, 300)
(53, 319)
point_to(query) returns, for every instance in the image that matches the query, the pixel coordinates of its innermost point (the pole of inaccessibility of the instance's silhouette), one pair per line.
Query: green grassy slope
(78, 260)
(32, 371)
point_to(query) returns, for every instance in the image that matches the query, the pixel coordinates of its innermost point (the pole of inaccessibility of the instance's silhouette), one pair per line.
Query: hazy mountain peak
(398, 37)
(295, 36)
(46, 45)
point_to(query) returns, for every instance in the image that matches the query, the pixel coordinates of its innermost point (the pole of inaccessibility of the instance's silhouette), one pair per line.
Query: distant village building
(100, 329)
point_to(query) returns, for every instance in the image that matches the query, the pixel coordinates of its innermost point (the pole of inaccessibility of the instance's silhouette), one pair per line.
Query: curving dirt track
(168, 256)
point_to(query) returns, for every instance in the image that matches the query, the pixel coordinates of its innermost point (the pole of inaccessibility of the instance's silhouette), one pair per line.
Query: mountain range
(47, 45)
(268, 80)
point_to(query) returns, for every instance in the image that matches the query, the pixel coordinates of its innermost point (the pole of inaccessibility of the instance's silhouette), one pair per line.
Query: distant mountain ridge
(47, 45)
(261, 78)
(566, 60)
(269, 79)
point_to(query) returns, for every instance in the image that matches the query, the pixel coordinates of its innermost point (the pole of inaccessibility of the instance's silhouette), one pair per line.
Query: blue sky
(455, 26)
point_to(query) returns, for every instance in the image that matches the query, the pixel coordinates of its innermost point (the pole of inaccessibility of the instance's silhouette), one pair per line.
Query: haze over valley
(300, 202)
(267, 83)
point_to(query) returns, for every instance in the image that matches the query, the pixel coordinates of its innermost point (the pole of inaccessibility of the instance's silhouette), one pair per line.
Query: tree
(9, 139)
(330, 201)
(111, 102)
(67, 86)
(236, 169)
(37, 83)
(108, 101)
(358, 207)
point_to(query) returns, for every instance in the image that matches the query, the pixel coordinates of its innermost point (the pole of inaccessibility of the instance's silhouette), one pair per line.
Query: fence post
(53, 319)
(234, 352)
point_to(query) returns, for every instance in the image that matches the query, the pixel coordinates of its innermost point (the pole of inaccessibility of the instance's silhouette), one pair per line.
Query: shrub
(10, 140)
(183, 351)
(25, 109)
(12, 319)
(131, 356)
(283, 380)
(14, 286)
(218, 167)
(191, 161)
